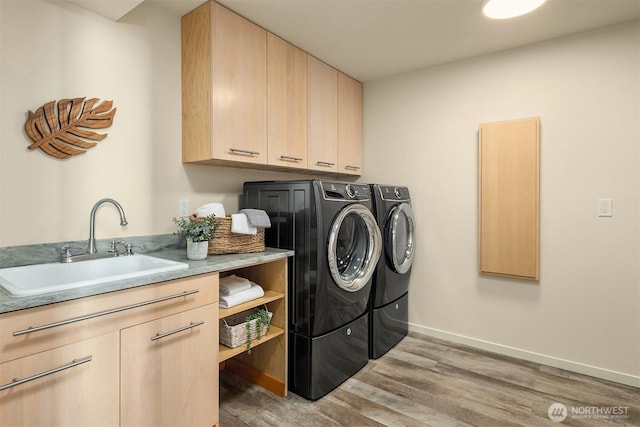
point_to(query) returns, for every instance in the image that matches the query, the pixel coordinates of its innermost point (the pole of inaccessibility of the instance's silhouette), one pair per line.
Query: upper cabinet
(323, 116)
(286, 104)
(349, 125)
(251, 99)
(224, 87)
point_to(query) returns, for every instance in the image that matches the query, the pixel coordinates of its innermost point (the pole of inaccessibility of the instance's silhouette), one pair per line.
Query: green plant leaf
(196, 229)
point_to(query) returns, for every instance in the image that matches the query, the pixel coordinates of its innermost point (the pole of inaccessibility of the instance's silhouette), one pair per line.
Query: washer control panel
(389, 192)
(343, 191)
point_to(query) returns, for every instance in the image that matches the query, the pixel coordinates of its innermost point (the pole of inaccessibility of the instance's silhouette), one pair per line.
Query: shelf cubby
(266, 365)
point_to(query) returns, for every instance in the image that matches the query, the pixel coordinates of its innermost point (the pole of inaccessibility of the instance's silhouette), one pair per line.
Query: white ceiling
(370, 39)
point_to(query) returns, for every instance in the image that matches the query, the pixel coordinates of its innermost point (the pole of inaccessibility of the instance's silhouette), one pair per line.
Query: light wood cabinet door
(286, 104)
(224, 84)
(509, 236)
(79, 386)
(349, 125)
(169, 372)
(323, 116)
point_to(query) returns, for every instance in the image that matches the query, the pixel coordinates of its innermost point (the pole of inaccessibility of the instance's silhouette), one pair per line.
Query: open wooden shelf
(225, 352)
(266, 365)
(268, 297)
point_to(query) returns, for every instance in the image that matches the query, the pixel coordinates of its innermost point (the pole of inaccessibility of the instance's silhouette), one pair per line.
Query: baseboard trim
(543, 359)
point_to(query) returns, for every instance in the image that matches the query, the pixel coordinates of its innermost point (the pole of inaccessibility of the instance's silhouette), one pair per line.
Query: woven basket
(233, 330)
(226, 242)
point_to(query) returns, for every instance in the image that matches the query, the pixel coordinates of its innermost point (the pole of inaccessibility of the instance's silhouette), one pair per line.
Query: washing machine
(389, 301)
(337, 243)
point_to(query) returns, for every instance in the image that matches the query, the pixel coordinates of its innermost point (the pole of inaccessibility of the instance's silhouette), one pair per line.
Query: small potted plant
(262, 322)
(197, 232)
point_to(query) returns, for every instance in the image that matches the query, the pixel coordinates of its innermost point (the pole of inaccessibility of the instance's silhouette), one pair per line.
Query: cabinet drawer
(75, 385)
(71, 321)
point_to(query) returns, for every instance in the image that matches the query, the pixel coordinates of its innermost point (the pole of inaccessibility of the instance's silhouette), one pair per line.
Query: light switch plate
(183, 207)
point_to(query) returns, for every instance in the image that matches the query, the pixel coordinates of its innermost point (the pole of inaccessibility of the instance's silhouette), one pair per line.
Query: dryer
(337, 243)
(389, 302)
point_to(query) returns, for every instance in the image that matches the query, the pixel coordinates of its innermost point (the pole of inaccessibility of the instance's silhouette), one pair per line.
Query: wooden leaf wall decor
(57, 135)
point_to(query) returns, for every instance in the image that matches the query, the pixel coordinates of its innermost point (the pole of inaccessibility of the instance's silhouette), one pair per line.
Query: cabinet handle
(102, 313)
(291, 158)
(353, 168)
(327, 164)
(245, 152)
(73, 363)
(175, 331)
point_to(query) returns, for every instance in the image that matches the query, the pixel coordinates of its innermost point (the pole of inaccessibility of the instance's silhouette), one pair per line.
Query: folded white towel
(240, 225)
(228, 301)
(216, 209)
(231, 284)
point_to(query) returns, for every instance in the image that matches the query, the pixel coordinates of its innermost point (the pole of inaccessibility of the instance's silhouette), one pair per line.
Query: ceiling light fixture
(503, 9)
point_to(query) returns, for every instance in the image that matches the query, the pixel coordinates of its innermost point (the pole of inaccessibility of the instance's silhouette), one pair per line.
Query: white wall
(585, 311)
(51, 51)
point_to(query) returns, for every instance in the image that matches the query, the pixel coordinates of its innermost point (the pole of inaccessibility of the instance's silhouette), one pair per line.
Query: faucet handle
(65, 253)
(128, 247)
(114, 249)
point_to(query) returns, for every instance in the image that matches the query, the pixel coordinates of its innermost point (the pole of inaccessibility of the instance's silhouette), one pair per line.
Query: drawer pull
(175, 331)
(102, 313)
(73, 363)
(291, 158)
(352, 168)
(245, 152)
(327, 164)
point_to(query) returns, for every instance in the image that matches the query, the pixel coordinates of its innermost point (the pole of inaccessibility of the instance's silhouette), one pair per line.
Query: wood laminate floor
(423, 381)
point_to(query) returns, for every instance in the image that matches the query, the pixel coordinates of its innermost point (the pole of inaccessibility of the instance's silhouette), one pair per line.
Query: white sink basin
(42, 278)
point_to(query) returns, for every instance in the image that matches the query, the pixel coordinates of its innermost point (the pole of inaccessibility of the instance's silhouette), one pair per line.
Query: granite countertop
(211, 264)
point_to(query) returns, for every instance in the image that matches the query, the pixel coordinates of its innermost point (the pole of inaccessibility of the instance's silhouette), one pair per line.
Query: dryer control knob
(396, 191)
(350, 191)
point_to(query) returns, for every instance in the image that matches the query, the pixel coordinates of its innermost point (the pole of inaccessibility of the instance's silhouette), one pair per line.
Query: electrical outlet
(183, 207)
(605, 207)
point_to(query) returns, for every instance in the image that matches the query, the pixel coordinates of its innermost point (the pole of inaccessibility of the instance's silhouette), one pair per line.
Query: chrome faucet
(92, 222)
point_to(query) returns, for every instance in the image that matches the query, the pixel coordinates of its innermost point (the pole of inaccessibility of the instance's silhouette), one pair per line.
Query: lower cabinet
(169, 372)
(74, 385)
(146, 356)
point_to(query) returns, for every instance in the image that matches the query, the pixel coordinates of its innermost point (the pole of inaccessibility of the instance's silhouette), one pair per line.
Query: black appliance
(337, 245)
(389, 302)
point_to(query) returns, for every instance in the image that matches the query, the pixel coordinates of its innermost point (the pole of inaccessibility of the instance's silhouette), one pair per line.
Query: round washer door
(400, 231)
(354, 247)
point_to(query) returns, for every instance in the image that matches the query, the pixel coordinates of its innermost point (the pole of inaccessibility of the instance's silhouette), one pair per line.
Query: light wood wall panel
(509, 231)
